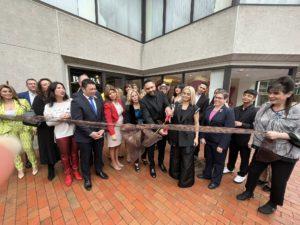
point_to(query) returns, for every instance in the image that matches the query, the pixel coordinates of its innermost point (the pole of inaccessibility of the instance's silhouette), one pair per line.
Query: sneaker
(21, 174)
(226, 170)
(34, 171)
(239, 179)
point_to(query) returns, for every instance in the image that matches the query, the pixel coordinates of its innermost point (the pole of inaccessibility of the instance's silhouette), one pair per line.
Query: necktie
(92, 105)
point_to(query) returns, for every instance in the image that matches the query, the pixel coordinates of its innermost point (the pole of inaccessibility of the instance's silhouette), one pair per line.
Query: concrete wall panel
(268, 30)
(17, 64)
(28, 24)
(87, 41)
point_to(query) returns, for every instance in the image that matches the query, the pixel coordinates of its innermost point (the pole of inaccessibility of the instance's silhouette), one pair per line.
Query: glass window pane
(203, 8)
(196, 78)
(87, 9)
(121, 16)
(154, 18)
(270, 1)
(68, 5)
(172, 81)
(178, 14)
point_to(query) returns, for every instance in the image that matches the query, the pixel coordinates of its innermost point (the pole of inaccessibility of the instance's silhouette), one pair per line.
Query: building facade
(234, 44)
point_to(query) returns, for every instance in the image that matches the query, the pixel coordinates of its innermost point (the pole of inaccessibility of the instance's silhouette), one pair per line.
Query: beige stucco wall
(268, 30)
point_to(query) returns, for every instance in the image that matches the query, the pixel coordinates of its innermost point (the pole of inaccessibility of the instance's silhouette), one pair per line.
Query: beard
(151, 93)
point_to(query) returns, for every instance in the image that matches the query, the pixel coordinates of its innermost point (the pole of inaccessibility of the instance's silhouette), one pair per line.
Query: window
(203, 8)
(121, 16)
(82, 8)
(196, 78)
(177, 14)
(154, 18)
(270, 1)
(86, 9)
(172, 81)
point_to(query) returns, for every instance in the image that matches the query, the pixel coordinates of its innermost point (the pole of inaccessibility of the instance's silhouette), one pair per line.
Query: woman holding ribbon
(216, 144)
(59, 107)
(10, 105)
(183, 142)
(114, 112)
(278, 145)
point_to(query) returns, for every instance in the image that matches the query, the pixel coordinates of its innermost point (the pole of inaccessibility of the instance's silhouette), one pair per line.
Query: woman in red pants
(59, 108)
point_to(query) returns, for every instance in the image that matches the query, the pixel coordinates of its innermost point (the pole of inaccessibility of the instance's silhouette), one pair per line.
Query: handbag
(29, 119)
(265, 153)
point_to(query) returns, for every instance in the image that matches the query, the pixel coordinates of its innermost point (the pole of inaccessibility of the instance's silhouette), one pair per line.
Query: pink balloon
(6, 165)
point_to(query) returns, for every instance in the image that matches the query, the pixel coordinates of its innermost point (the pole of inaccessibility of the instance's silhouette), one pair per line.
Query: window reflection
(178, 14)
(121, 16)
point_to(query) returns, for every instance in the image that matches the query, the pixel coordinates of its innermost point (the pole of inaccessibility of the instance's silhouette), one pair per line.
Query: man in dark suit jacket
(90, 140)
(29, 96)
(202, 101)
(31, 93)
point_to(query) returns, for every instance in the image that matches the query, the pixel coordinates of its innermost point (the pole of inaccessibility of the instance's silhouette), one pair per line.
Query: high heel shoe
(21, 174)
(115, 167)
(120, 164)
(35, 170)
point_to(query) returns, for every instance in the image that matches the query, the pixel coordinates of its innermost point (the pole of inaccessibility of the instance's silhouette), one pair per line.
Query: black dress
(49, 153)
(182, 147)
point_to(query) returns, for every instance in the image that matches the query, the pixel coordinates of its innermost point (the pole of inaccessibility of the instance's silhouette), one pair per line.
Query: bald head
(81, 78)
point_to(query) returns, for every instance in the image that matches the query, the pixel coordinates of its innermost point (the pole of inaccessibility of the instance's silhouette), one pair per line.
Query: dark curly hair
(51, 93)
(286, 85)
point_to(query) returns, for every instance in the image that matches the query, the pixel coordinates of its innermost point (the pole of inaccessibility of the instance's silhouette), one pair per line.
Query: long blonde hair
(193, 94)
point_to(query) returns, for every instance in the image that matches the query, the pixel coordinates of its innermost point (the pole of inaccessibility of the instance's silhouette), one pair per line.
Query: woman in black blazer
(183, 142)
(216, 144)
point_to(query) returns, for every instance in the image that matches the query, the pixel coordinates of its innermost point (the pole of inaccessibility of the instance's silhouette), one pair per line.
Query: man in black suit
(87, 106)
(202, 101)
(155, 107)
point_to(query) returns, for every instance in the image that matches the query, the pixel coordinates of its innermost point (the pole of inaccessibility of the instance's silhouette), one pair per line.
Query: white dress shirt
(31, 97)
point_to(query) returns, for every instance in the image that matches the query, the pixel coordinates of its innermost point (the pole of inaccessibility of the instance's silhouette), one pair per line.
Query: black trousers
(245, 152)
(182, 165)
(86, 151)
(281, 171)
(161, 146)
(214, 162)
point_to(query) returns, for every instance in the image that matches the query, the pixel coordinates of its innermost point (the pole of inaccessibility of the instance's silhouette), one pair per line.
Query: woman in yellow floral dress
(10, 105)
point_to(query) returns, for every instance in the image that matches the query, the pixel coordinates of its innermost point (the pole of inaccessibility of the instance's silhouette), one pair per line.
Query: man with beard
(244, 118)
(155, 107)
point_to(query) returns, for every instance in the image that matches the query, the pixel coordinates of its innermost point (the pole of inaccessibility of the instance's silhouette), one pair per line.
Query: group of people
(277, 122)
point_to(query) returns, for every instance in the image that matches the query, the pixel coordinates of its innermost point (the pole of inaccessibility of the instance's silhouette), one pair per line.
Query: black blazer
(130, 115)
(223, 118)
(184, 117)
(202, 104)
(81, 110)
(80, 92)
(247, 118)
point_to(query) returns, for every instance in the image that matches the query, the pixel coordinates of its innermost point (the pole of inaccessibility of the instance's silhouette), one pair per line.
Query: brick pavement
(135, 198)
